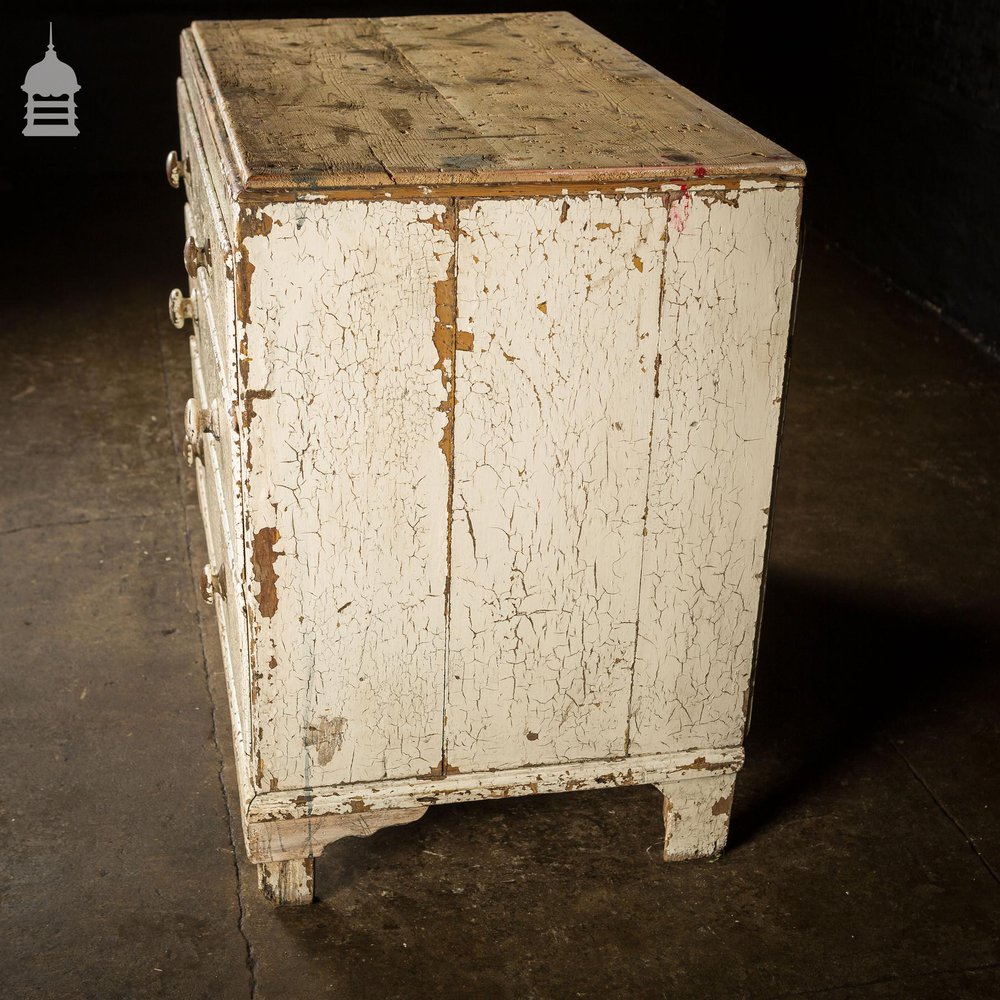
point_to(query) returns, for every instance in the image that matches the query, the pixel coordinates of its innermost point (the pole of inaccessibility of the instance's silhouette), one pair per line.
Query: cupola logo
(51, 88)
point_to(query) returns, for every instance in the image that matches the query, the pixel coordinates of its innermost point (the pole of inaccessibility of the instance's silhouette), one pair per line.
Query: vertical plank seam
(649, 465)
(447, 315)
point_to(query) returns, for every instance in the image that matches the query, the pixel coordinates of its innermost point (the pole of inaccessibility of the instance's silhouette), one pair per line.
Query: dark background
(894, 106)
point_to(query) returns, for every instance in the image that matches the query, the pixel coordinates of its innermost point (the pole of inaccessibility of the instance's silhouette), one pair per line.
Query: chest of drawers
(489, 333)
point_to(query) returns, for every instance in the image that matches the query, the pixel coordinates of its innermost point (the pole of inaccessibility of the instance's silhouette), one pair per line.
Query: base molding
(407, 793)
(286, 832)
(291, 839)
(285, 826)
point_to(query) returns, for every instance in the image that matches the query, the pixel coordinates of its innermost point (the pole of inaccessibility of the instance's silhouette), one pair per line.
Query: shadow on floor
(839, 671)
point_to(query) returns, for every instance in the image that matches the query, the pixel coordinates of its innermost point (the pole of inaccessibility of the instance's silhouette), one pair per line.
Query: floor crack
(953, 819)
(880, 980)
(86, 520)
(251, 960)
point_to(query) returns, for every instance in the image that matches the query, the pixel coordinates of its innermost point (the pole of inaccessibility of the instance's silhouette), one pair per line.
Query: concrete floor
(865, 846)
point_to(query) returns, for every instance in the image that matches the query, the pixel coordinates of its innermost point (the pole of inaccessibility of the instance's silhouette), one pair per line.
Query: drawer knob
(176, 169)
(212, 583)
(196, 256)
(197, 421)
(180, 308)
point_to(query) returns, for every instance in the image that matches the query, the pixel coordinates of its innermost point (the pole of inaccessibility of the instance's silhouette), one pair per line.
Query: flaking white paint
(552, 447)
(373, 797)
(346, 477)
(616, 384)
(487, 478)
(616, 393)
(213, 480)
(728, 281)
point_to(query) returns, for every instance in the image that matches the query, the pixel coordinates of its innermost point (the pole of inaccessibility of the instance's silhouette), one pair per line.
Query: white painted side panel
(552, 423)
(347, 491)
(726, 310)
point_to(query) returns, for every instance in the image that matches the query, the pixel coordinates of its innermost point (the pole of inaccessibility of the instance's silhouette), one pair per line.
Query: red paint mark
(699, 172)
(679, 209)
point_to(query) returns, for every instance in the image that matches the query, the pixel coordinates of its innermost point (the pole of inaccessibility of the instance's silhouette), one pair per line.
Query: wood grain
(511, 98)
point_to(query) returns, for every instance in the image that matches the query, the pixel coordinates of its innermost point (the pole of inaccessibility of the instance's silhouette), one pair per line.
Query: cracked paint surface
(506, 468)
(696, 816)
(345, 466)
(380, 796)
(726, 310)
(213, 480)
(487, 459)
(552, 446)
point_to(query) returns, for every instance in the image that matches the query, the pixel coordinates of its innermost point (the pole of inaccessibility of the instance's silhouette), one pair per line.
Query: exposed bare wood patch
(242, 277)
(250, 396)
(287, 882)
(287, 840)
(327, 737)
(723, 806)
(264, 556)
(442, 769)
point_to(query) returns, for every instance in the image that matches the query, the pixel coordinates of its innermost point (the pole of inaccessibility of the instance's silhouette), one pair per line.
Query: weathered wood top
(457, 100)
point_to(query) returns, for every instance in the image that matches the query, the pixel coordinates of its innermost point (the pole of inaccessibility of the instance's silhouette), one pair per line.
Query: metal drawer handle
(196, 256)
(213, 583)
(197, 421)
(176, 169)
(181, 308)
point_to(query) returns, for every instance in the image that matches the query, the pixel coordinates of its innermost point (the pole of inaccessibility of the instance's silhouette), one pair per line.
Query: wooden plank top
(380, 103)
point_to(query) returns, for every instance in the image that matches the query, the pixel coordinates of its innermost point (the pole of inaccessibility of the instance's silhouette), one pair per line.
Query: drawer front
(204, 224)
(225, 559)
(220, 447)
(228, 602)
